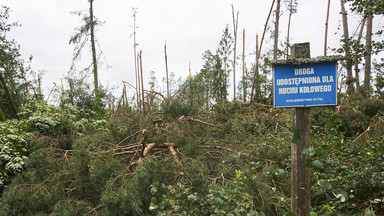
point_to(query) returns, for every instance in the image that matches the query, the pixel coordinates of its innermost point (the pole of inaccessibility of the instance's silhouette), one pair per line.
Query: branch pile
(138, 151)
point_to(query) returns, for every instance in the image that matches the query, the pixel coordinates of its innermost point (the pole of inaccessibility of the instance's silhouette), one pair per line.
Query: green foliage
(11, 65)
(238, 163)
(195, 92)
(176, 108)
(62, 182)
(13, 151)
(350, 175)
(130, 195)
(180, 199)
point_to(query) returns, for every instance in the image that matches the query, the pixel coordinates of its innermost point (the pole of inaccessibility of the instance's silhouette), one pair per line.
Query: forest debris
(374, 129)
(341, 107)
(191, 119)
(142, 144)
(217, 147)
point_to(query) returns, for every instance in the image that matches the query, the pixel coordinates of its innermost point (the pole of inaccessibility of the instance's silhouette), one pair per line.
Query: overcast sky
(188, 27)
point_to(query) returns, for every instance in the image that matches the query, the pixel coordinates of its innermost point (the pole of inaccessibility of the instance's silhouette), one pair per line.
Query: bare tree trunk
(135, 59)
(356, 60)
(347, 48)
(2, 118)
(235, 24)
(190, 73)
(259, 51)
(276, 34)
(139, 81)
(10, 99)
(368, 49)
(166, 67)
(142, 81)
(256, 72)
(289, 27)
(93, 46)
(326, 29)
(244, 76)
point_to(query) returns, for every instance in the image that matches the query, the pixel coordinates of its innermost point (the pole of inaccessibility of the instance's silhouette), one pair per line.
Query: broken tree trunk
(259, 51)
(93, 46)
(244, 76)
(368, 50)
(235, 24)
(9, 96)
(357, 60)
(276, 33)
(347, 48)
(326, 29)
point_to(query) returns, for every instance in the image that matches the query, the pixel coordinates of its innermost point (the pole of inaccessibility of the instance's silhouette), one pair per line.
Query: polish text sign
(311, 84)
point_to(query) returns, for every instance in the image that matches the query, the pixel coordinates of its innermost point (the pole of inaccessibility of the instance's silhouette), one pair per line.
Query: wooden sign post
(302, 82)
(300, 178)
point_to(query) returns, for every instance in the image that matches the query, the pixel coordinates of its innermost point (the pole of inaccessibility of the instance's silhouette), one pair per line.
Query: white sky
(189, 27)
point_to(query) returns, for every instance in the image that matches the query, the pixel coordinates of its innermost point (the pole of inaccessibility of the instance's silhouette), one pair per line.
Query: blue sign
(311, 84)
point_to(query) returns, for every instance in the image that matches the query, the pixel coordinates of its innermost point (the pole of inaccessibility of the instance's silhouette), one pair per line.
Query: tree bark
(93, 46)
(2, 118)
(9, 96)
(276, 34)
(259, 51)
(142, 82)
(347, 47)
(326, 29)
(368, 50)
(166, 67)
(244, 76)
(256, 73)
(135, 59)
(235, 24)
(357, 77)
(289, 27)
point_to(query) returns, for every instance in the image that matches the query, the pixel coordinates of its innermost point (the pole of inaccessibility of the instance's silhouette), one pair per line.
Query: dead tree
(357, 59)
(134, 11)
(235, 25)
(12, 104)
(166, 67)
(368, 50)
(259, 51)
(93, 46)
(347, 47)
(276, 33)
(289, 26)
(326, 29)
(244, 76)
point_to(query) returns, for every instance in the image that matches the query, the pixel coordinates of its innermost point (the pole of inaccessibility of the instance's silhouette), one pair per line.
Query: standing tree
(276, 32)
(244, 81)
(368, 50)
(12, 72)
(369, 8)
(358, 52)
(258, 51)
(84, 34)
(215, 78)
(292, 8)
(224, 51)
(235, 25)
(326, 29)
(134, 16)
(347, 47)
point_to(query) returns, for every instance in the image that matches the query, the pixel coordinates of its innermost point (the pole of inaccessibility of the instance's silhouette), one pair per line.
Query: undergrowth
(232, 160)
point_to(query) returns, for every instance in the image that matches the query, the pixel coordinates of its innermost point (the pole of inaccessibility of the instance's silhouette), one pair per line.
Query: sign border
(303, 106)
